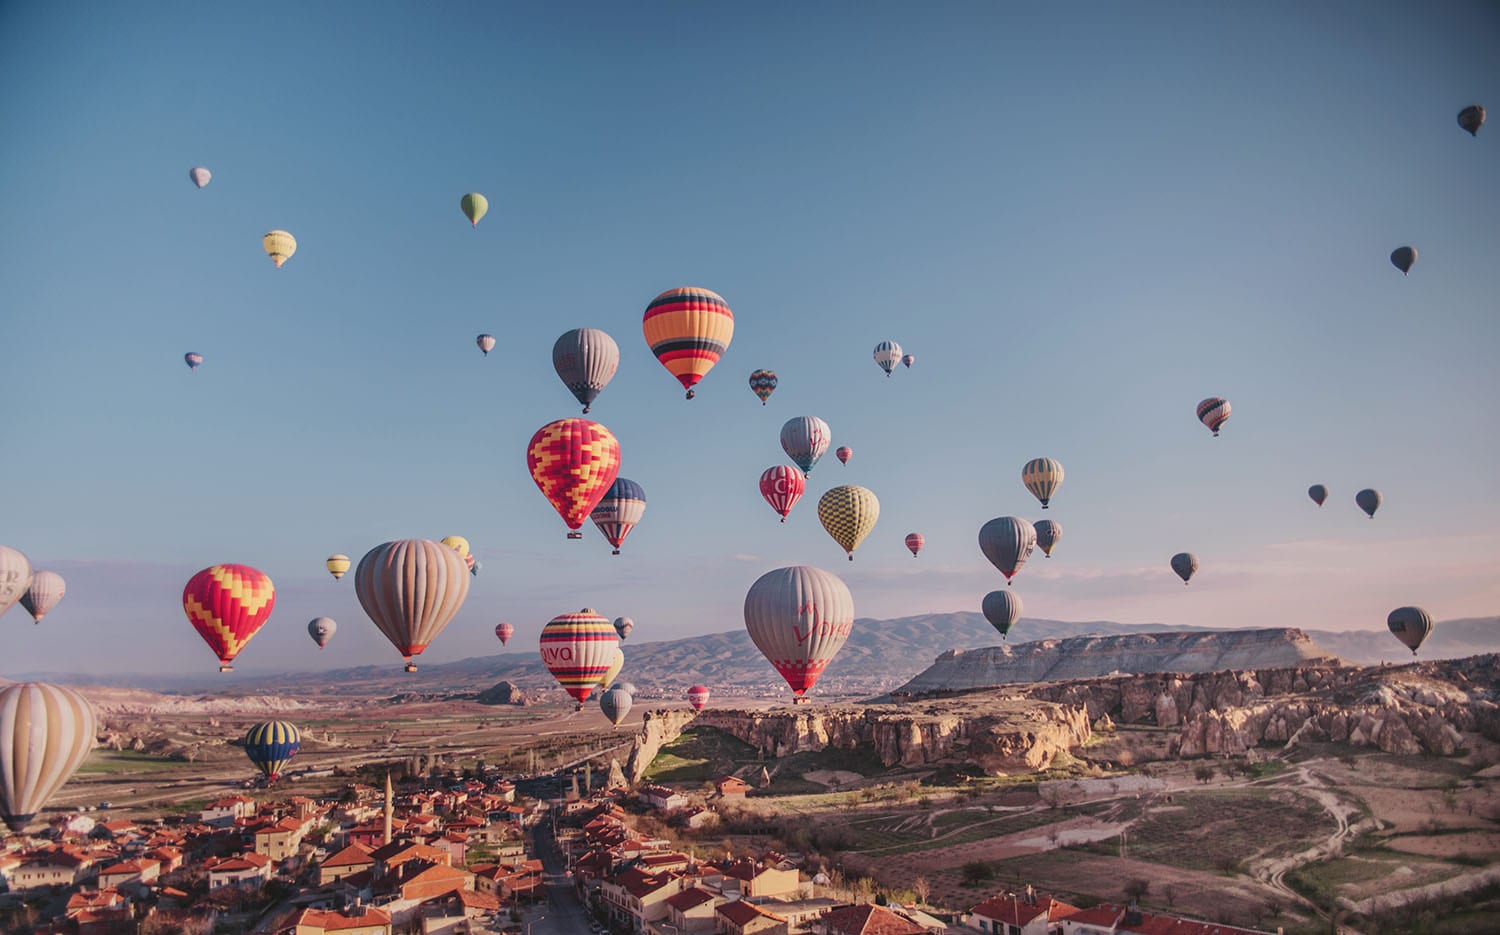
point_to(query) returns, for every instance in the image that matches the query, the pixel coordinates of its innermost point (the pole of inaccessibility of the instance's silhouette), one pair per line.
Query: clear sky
(1081, 219)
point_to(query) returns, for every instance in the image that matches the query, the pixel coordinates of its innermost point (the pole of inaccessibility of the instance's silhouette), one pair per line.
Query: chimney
(389, 806)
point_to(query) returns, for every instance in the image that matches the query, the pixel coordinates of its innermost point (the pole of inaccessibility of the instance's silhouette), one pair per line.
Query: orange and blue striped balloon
(688, 329)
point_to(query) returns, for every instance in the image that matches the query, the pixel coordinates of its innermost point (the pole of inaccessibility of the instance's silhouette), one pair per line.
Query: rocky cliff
(1094, 656)
(1000, 736)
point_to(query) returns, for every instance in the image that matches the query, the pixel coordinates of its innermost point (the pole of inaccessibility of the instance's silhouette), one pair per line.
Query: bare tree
(923, 889)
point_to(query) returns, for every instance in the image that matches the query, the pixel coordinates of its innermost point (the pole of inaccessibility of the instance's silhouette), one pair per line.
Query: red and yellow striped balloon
(228, 604)
(688, 328)
(578, 650)
(574, 462)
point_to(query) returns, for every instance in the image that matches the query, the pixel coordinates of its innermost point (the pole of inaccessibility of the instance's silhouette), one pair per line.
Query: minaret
(390, 807)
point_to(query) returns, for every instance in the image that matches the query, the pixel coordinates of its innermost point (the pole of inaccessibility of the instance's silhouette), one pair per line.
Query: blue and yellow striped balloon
(271, 746)
(1042, 476)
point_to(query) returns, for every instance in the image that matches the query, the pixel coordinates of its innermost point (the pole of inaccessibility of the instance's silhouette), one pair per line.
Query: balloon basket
(575, 535)
(411, 667)
(801, 700)
(225, 667)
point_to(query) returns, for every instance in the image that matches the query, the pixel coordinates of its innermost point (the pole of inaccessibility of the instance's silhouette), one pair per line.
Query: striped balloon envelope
(578, 650)
(193, 359)
(486, 343)
(279, 246)
(271, 746)
(616, 666)
(46, 732)
(621, 508)
(697, 696)
(915, 541)
(688, 329)
(573, 462)
(782, 487)
(616, 704)
(805, 439)
(337, 565)
(799, 618)
(585, 360)
(503, 632)
(411, 589)
(15, 576)
(47, 588)
(763, 384)
(1042, 476)
(888, 355)
(1048, 532)
(1007, 542)
(227, 605)
(1214, 412)
(849, 512)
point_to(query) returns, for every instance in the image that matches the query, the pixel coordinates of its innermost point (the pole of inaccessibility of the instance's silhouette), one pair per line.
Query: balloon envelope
(799, 618)
(200, 176)
(615, 704)
(782, 487)
(458, 544)
(15, 577)
(1007, 542)
(271, 745)
(1185, 564)
(844, 453)
(337, 565)
(888, 355)
(688, 329)
(805, 439)
(1042, 476)
(578, 650)
(624, 626)
(697, 696)
(585, 360)
(47, 588)
(616, 663)
(907, 360)
(1318, 493)
(1404, 258)
(621, 508)
(1214, 412)
(411, 589)
(1471, 118)
(474, 206)
(914, 541)
(321, 629)
(1002, 609)
(193, 360)
(504, 631)
(1048, 532)
(848, 512)
(46, 732)
(279, 246)
(227, 605)
(1410, 625)
(763, 384)
(486, 343)
(573, 462)
(1368, 500)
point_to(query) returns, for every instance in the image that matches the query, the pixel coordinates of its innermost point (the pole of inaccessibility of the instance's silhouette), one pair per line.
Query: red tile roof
(740, 912)
(868, 920)
(689, 899)
(355, 855)
(338, 921)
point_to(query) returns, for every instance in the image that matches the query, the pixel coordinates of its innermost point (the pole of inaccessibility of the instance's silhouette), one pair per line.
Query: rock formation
(504, 692)
(1094, 656)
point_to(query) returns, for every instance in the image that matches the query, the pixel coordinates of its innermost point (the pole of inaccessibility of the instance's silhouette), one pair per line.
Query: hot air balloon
(411, 589)
(1471, 118)
(585, 360)
(486, 343)
(1368, 500)
(1002, 609)
(193, 359)
(202, 176)
(763, 384)
(1007, 542)
(848, 512)
(574, 462)
(628, 686)
(624, 626)
(474, 206)
(914, 541)
(697, 696)
(1213, 412)
(46, 732)
(1404, 258)
(503, 632)
(227, 605)
(621, 508)
(688, 329)
(907, 360)
(1185, 563)
(616, 663)
(1410, 625)
(279, 246)
(271, 745)
(799, 617)
(15, 577)
(843, 453)
(1048, 533)
(805, 439)
(782, 487)
(887, 355)
(1318, 492)
(47, 588)
(577, 650)
(1042, 476)
(615, 704)
(458, 544)
(321, 629)
(337, 565)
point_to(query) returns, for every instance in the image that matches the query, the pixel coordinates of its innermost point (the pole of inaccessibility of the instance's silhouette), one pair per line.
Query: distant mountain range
(880, 655)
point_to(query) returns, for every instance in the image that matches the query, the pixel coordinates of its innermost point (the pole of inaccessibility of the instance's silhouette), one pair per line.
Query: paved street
(564, 914)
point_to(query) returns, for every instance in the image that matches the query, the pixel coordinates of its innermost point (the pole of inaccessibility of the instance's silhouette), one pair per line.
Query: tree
(1203, 773)
(923, 889)
(1169, 893)
(976, 872)
(1136, 889)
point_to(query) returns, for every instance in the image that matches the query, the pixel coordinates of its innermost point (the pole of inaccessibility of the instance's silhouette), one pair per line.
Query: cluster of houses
(439, 861)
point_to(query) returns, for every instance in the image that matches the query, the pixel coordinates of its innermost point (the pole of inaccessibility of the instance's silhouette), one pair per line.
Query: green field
(106, 762)
(1206, 825)
(699, 755)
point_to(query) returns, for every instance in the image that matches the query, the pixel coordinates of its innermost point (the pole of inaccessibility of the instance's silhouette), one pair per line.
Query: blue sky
(1081, 219)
